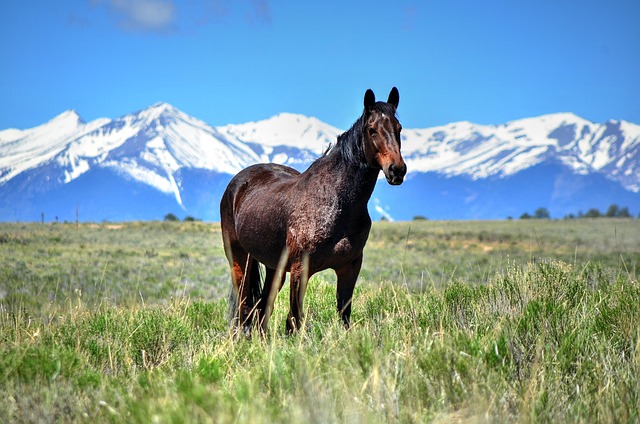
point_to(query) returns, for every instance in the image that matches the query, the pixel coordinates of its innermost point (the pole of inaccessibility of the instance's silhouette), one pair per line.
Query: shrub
(170, 217)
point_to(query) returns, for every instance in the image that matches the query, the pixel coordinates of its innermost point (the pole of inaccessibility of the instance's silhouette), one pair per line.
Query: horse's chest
(329, 242)
(310, 228)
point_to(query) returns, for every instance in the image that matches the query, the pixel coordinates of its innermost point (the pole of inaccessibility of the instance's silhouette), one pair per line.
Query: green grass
(535, 321)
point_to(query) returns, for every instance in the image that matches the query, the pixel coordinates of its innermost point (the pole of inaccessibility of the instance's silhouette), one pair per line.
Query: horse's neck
(354, 186)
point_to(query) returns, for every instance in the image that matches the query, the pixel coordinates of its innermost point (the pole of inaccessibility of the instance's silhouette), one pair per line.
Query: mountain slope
(161, 160)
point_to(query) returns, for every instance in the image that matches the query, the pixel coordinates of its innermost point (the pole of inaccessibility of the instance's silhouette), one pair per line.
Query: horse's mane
(349, 144)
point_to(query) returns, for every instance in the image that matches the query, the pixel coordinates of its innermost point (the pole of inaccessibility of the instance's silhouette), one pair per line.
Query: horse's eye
(372, 132)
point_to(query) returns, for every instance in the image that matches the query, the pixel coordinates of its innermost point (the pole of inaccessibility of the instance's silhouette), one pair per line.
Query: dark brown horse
(303, 223)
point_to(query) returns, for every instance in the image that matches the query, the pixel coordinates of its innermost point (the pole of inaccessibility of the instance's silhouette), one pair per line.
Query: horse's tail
(253, 277)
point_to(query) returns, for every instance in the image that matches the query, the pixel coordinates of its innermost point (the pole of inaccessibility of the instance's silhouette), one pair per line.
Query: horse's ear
(369, 99)
(394, 97)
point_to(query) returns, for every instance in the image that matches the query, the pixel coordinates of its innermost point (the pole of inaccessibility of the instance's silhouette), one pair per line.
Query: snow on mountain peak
(69, 115)
(67, 120)
(163, 108)
(158, 111)
(286, 129)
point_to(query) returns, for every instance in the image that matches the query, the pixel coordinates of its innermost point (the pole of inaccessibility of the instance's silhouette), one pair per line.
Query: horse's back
(255, 178)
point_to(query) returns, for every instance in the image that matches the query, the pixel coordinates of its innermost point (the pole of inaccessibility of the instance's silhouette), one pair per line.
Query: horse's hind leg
(244, 273)
(265, 304)
(272, 284)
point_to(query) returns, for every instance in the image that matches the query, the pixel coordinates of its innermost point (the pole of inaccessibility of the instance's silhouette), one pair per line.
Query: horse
(304, 223)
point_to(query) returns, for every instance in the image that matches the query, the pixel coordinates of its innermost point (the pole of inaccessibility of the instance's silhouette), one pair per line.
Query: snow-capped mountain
(480, 151)
(149, 146)
(277, 136)
(159, 160)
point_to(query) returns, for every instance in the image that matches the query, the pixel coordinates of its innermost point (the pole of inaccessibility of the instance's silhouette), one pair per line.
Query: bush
(542, 213)
(615, 211)
(170, 217)
(593, 213)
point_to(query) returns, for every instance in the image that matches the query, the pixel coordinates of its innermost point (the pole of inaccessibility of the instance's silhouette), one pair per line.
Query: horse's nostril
(403, 169)
(395, 174)
(396, 170)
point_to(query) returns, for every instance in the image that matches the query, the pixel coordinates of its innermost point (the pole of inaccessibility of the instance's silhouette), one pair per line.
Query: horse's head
(382, 136)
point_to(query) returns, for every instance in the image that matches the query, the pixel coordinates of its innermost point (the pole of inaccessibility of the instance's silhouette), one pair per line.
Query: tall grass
(537, 334)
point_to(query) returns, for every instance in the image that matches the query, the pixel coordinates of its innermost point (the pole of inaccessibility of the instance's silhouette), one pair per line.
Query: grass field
(510, 321)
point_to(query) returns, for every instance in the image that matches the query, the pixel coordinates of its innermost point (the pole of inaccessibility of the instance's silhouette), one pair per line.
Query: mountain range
(160, 160)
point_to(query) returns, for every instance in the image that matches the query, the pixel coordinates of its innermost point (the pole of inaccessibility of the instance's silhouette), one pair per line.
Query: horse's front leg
(347, 277)
(298, 278)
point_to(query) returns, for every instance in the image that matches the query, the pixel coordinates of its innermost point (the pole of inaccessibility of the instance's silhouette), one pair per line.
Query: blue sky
(233, 61)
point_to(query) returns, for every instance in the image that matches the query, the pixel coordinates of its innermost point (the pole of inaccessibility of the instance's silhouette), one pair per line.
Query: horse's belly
(264, 242)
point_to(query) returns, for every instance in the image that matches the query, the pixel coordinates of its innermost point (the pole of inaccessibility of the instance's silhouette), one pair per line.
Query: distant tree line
(170, 217)
(614, 211)
(540, 213)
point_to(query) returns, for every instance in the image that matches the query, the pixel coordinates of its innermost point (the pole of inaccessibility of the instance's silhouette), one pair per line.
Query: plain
(505, 321)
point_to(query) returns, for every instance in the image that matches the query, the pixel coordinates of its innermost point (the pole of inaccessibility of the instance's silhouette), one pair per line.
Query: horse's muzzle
(395, 173)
